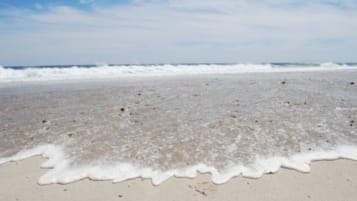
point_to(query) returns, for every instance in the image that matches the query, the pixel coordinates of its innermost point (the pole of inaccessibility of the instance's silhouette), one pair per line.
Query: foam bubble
(63, 173)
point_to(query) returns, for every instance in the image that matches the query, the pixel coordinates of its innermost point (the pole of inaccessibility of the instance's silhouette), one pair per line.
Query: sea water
(82, 72)
(227, 120)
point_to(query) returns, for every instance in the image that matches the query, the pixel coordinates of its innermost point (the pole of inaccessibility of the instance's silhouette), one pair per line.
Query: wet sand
(328, 181)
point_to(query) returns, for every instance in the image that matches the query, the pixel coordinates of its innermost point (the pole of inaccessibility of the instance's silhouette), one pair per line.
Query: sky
(39, 32)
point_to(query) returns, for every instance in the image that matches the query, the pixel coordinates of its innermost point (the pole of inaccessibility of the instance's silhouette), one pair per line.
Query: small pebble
(44, 121)
(122, 109)
(352, 83)
(283, 82)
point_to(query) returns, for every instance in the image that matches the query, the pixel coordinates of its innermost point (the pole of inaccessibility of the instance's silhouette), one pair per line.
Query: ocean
(117, 122)
(81, 72)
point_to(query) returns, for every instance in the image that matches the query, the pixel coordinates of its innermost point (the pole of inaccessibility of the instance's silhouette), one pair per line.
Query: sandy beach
(165, 126)
(328, 181)
(171, 100)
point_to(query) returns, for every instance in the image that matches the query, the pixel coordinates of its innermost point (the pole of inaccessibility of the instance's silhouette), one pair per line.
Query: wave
(227, 128)
(53, 73)
(61, 172)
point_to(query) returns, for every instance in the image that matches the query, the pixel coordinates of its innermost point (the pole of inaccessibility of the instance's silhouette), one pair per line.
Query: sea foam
(121, 71)
(61, 172)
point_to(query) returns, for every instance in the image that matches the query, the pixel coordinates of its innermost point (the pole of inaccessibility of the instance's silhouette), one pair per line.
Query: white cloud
(182, 31)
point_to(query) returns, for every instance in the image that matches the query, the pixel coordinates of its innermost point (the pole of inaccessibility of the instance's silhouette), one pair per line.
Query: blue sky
(39, 32)
(43, 4)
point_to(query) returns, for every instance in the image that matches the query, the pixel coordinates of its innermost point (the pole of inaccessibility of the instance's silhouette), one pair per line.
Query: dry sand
(328, 180)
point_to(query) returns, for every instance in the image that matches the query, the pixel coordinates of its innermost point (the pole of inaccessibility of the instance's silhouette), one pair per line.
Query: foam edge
(62, 173)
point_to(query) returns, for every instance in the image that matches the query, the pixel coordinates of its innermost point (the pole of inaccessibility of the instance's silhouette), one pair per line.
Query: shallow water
(174, 123)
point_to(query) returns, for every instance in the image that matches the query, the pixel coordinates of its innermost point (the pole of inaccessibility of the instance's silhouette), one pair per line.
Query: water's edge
(60, 172)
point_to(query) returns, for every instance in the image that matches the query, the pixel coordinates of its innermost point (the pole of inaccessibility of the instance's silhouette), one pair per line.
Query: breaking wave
(58, 73)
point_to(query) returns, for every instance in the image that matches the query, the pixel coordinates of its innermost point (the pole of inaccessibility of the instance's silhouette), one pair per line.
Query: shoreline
(328, 180)
(60, 172)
